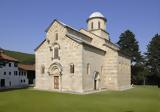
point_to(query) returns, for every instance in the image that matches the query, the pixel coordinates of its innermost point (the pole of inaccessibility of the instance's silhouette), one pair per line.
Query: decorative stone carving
(55, 69)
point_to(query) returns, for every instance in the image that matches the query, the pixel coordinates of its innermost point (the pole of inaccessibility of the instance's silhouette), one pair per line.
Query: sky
(23, 22)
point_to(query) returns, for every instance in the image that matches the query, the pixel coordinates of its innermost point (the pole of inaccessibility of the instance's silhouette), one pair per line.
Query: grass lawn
(138, 99)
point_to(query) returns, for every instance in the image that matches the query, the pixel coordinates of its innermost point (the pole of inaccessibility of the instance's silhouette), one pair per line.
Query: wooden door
(56, 82)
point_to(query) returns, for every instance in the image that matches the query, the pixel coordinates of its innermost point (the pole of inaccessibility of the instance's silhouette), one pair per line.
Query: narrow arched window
(42, 69)
(101, 69)
(99, 25)
(56, 36)
(71, 68)
(88, 69)
(92, 25)
(56, 53)
(48, 41)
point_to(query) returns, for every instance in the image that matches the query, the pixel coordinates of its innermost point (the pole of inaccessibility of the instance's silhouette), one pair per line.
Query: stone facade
(80, 61)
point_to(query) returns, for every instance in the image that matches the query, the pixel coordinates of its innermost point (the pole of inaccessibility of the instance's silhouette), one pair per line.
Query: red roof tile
(27, 67)
(5, 57)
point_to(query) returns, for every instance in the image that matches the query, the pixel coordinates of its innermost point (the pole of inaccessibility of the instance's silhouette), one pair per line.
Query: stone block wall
(110, 69)
(93, 57)
(124, 72)
(70, 52)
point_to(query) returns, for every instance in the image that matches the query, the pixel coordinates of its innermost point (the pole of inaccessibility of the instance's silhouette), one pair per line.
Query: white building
(10, 75)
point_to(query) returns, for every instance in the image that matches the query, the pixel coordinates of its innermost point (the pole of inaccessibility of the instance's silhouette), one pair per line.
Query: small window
(50, 48)
(42, 70)
(9, 73)
(71, 68)
(15, 64)
(48, 41)
(15, 72)
(56, 53)
(91, 25)
(88, 68)
(56, 36)
(99, 25)
(9, 65)
(4, 73)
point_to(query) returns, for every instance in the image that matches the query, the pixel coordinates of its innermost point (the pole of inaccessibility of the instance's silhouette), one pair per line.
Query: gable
(53, 28)
(52, 24)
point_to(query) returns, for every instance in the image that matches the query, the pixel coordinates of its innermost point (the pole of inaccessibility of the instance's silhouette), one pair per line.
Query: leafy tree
(129, 46)
(153, 56)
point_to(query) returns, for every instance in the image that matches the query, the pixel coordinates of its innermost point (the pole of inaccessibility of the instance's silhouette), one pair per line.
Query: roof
(96, 14)
(52, 23)
(108, 41)
(83, 42)
(27, 67)
(76, 38)
(64, 25)
(73, 37)
(40, 45)
(6, 57)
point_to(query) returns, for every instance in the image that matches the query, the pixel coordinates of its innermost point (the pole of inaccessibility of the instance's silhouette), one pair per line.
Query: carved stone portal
(55, 69)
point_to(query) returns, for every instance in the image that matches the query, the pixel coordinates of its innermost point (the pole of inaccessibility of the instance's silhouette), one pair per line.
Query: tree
(129, 45)
(142, 71)
(153, 56)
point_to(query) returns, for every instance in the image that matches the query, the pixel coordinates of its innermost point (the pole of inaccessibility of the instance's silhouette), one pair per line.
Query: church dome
(96, 15)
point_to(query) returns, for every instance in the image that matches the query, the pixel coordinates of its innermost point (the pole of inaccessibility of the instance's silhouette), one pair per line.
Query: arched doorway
(55, 71)
(96, 81)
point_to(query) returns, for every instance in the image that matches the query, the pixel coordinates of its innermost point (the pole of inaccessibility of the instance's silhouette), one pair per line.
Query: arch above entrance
(55, 69)
(96, 76)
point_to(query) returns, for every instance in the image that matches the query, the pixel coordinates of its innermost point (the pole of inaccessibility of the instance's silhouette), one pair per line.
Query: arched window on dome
(91, 25)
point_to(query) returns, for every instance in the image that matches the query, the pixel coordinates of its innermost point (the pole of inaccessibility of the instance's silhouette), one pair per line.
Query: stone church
(84, 60)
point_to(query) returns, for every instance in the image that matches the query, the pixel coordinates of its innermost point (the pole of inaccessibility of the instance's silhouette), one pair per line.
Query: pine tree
(153, 55)
(142, 71)
(129, 46)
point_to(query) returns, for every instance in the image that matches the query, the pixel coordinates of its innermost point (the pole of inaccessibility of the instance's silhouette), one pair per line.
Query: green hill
(24, 58)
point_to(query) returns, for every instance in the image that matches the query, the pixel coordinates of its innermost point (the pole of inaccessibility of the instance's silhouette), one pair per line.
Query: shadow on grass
(12, 89)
